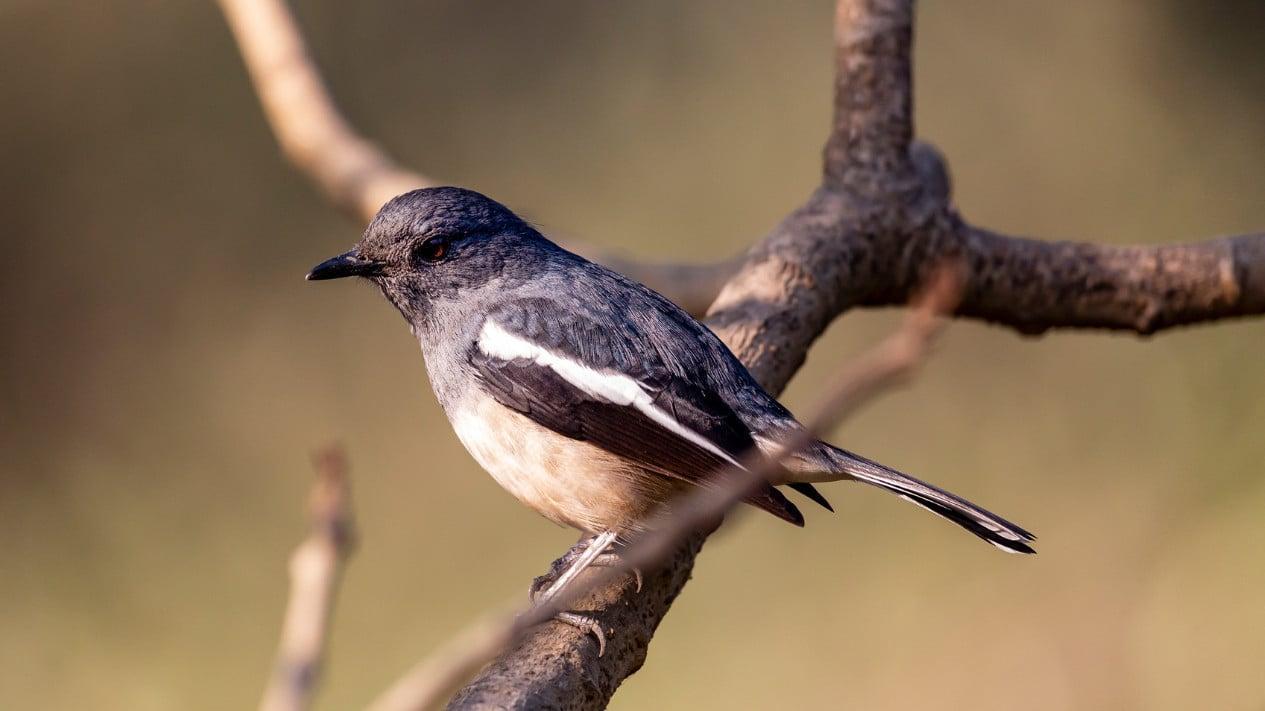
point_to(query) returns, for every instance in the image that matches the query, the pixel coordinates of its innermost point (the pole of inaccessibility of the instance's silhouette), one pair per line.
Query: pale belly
(567, 481)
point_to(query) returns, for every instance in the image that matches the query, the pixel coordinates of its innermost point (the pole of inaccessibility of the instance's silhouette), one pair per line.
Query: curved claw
(587, 624)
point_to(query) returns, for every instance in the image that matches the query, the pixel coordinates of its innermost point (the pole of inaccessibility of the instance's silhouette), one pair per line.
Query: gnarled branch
(1034, 285)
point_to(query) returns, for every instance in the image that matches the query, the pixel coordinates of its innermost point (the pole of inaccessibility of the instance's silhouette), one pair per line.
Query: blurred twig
(357, 176)
(895, 358)
(352, 172)
(315, 568)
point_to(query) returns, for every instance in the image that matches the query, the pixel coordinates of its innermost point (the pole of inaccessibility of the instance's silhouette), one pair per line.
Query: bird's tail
(827, 462)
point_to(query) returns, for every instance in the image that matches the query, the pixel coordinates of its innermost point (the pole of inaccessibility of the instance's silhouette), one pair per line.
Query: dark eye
(433, 249)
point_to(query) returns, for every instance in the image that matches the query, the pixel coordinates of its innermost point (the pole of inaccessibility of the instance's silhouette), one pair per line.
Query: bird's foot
(590, 551)
(586, 624)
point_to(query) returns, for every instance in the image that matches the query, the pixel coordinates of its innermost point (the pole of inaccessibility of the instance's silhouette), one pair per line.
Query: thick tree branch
(873, 104)
(315, 569)
(1034, 285)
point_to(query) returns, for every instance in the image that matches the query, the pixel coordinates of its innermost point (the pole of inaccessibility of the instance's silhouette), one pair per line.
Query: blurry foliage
(166, 371)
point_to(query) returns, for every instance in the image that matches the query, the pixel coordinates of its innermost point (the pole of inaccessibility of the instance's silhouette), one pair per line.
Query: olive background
(165, 372)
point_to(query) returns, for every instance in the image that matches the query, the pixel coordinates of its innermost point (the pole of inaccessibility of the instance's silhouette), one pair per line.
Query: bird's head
(438, 245)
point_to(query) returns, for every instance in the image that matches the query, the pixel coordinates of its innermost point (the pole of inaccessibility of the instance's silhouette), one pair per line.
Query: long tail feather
(983, 523)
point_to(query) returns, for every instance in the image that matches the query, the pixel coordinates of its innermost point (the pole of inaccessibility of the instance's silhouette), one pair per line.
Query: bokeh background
(166, 372)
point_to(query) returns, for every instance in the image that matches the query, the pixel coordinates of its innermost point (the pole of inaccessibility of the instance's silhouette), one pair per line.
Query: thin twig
(315, 569)
(428, 683)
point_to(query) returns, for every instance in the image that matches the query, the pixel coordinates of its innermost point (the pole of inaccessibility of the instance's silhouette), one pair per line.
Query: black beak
(347, 264)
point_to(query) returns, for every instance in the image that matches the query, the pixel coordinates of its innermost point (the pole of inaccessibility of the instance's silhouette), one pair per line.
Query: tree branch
(352, 172)
(873, 105)
(356, 175)
(315, 569)
(1033, 285)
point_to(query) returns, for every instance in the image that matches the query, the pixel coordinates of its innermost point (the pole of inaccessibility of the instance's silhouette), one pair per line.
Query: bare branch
(873, 120)
(356, 175)
(350, 170)
(426, 685)
(1033, 285)
(315, 569)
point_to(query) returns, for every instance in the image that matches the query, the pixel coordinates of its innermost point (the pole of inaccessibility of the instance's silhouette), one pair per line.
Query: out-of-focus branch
(352, 172)
(315, 569)
(428, 683)
(356, 175)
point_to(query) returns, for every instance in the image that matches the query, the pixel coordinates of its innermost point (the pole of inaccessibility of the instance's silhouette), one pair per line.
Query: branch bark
(1034, 285)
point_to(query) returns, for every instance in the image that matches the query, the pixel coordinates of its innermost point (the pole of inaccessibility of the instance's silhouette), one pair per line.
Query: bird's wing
(567, 374)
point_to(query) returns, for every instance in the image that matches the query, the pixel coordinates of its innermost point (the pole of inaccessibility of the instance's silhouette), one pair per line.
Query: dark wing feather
(538, 392)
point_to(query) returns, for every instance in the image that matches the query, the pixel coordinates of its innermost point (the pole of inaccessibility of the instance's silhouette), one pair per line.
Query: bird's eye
(433, 249)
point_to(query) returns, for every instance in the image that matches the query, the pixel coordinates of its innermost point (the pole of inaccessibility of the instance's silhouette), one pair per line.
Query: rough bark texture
(881, 220)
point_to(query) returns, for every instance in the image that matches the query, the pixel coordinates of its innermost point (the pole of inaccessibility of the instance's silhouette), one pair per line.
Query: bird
(591, 398)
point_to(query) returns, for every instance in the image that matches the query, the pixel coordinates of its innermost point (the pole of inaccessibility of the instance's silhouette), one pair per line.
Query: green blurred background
(166, 371)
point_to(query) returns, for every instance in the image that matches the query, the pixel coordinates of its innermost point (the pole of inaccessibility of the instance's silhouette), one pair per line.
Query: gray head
(433, 246)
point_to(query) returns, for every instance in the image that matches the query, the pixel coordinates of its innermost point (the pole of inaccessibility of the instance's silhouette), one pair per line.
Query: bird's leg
(581, 557)
(556, 568)
(608, 559)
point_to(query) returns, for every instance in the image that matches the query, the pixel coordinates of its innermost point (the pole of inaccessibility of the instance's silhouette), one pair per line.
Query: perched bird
(589, 397)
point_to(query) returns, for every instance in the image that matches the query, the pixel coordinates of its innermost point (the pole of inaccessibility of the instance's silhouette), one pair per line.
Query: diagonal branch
(356, 175)
(352, 172)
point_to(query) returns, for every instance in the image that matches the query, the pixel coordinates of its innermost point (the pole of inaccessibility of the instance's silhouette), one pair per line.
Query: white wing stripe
(618, 389)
